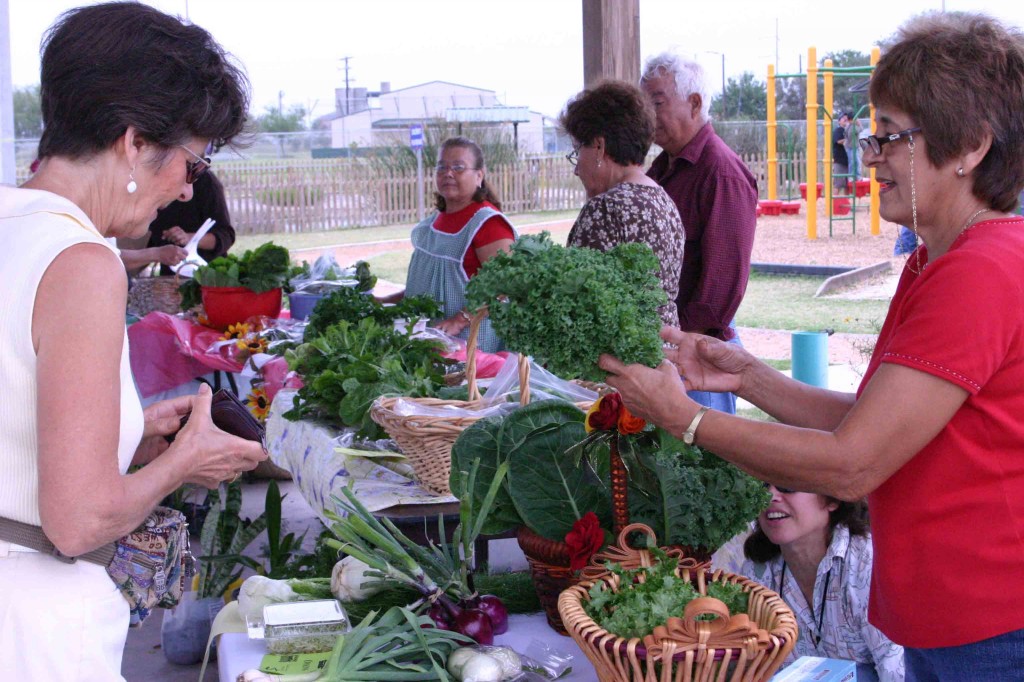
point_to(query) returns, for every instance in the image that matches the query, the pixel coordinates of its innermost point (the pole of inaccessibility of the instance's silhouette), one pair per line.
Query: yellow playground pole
(773, 160)
(827, 140)
(875, 226)
(812, 143)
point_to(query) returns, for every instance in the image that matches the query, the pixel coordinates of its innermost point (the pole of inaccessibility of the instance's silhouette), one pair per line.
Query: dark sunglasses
(195, 169)
(784, 491)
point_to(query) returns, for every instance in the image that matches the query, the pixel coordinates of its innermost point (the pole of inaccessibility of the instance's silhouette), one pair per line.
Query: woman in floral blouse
(612, 127)
(816, 552)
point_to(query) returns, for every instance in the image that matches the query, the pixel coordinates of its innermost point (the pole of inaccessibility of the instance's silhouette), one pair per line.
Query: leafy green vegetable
(491, 440)
(349, 305)
(549, 490)
(567, 306)
(262, 269)
(352, 364)
(689, 496)
(640, 606)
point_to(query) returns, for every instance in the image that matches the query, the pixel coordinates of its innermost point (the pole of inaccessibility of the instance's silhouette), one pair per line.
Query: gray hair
(688, 75)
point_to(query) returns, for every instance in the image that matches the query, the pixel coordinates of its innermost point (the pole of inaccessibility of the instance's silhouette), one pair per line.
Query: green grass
(781, 365)
(787, 302)
(358, 235)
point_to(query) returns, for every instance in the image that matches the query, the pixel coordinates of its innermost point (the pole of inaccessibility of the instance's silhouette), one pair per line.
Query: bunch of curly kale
(566, 306)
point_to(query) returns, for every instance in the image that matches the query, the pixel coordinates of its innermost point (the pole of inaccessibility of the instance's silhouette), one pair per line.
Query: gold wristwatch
(691, 430)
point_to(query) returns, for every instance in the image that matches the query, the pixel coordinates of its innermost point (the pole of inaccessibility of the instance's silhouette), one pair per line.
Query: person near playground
(612, 127)
(175, 224)
(717, 200)
(130, 96)
(451, 244)
(815, 551)
(934, 436)
(840, 161)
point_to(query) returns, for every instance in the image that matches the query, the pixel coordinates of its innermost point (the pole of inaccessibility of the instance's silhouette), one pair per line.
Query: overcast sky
(528, 51)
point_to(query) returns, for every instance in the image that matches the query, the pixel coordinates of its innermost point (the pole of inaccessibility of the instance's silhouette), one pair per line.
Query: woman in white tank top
(131, 100)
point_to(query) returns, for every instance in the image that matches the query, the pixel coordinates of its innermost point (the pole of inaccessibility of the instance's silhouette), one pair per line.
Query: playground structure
(837, 207)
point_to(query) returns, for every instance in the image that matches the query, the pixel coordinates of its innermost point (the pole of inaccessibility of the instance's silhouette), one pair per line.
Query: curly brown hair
(853, 515)
(959, 75)
(616, 111)
(484, 191)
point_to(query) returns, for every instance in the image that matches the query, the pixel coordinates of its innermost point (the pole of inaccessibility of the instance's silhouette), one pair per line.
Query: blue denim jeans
(723, 402)
(997, 659)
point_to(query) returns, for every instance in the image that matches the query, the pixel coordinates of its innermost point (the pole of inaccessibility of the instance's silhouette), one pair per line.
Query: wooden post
(611, 40)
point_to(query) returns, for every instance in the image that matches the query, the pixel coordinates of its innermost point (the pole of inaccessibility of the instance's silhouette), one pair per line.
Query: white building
(369, 119)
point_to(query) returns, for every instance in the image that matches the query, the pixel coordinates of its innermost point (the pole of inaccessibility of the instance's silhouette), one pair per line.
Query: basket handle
(471, 345)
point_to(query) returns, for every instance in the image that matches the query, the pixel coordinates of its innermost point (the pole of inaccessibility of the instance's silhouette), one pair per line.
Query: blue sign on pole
(416, 136)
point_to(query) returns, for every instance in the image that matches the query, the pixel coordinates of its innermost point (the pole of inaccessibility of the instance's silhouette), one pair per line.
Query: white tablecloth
(236, 653)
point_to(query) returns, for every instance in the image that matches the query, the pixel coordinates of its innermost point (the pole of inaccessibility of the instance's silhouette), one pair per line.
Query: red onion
(496, 611)
(476, 624)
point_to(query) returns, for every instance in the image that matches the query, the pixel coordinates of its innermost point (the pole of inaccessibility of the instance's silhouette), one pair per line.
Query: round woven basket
(427, 440)
(149, 294)
(750, 646)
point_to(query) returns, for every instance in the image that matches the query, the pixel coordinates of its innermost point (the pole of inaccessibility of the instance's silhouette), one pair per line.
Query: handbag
(149, 565)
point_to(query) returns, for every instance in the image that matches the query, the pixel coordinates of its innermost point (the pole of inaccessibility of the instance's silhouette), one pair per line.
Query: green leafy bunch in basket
(567, 306)
(558, 473)
(266, 267)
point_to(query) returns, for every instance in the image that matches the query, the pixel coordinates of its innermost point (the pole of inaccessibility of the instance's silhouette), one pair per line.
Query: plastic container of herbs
(303, 627)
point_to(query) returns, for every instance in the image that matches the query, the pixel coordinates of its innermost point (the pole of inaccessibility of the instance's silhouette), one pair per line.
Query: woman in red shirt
(450, 245)
(935, 434)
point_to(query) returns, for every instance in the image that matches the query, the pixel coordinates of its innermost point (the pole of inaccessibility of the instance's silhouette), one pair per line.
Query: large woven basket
(149, 294)
(427, 440)
(741, 647)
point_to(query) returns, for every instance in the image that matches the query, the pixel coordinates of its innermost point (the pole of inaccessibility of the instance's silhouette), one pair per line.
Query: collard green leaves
(566, 306)
(549, 491)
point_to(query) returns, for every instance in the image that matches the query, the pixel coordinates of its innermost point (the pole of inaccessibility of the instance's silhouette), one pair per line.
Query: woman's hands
(170, 254)
(706, 363)
(213, 456)
(161, 419)
(454, 325)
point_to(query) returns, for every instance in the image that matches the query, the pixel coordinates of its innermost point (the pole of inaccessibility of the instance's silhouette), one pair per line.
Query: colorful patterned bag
(151, 563)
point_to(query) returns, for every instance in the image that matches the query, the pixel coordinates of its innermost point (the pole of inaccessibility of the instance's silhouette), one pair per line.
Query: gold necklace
(970, 221)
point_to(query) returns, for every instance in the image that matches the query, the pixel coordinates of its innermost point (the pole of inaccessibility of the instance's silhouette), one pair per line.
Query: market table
(236, 653)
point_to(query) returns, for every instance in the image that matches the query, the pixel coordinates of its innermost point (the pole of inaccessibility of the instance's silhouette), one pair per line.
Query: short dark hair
(106, 67)
(484, 192)
(616, 111)
(853, 515)
(957, 75)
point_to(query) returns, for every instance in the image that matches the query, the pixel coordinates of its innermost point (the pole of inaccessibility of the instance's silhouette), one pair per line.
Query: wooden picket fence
(310, 195)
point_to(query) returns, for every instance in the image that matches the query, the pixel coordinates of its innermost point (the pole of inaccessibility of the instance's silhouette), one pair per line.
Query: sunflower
(252, 344)
(237, 331)
(258, 403)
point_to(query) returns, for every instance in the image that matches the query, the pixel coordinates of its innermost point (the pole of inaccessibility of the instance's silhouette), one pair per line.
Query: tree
(274, 120)
(744, 99)
(28, 114)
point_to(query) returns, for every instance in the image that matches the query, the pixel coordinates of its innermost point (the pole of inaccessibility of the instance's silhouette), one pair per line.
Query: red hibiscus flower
(585, 538)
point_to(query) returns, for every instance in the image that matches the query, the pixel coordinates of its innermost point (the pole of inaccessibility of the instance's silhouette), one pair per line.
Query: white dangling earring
(132, 185)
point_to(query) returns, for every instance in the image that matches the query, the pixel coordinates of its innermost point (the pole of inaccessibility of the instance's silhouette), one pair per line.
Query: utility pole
(347, 96)
(280, 102)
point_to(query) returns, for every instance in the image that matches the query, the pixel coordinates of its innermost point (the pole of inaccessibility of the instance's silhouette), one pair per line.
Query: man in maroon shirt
(716, 196)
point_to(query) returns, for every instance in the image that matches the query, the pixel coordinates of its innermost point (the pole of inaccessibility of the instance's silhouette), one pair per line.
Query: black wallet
(231, 416)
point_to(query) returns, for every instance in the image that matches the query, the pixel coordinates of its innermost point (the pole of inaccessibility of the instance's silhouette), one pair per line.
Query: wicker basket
(427, 440)
(149, 294)
(748, 646)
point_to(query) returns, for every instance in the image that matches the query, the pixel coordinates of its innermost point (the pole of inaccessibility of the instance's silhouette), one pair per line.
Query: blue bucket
(301, 305)
(810, 358)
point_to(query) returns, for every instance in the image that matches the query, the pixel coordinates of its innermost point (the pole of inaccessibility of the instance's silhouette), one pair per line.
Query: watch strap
(691, 430)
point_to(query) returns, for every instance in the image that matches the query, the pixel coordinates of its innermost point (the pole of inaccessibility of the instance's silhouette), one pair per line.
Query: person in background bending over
(717, 200)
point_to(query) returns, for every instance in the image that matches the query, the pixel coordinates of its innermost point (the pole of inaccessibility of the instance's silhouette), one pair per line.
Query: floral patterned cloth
(845, 632)
(630, 212)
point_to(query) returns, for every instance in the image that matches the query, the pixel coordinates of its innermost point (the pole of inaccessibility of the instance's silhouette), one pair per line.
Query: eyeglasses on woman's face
(573, 157)
(195, 169)
(458, 168)
(783, 491)
(876, 142)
